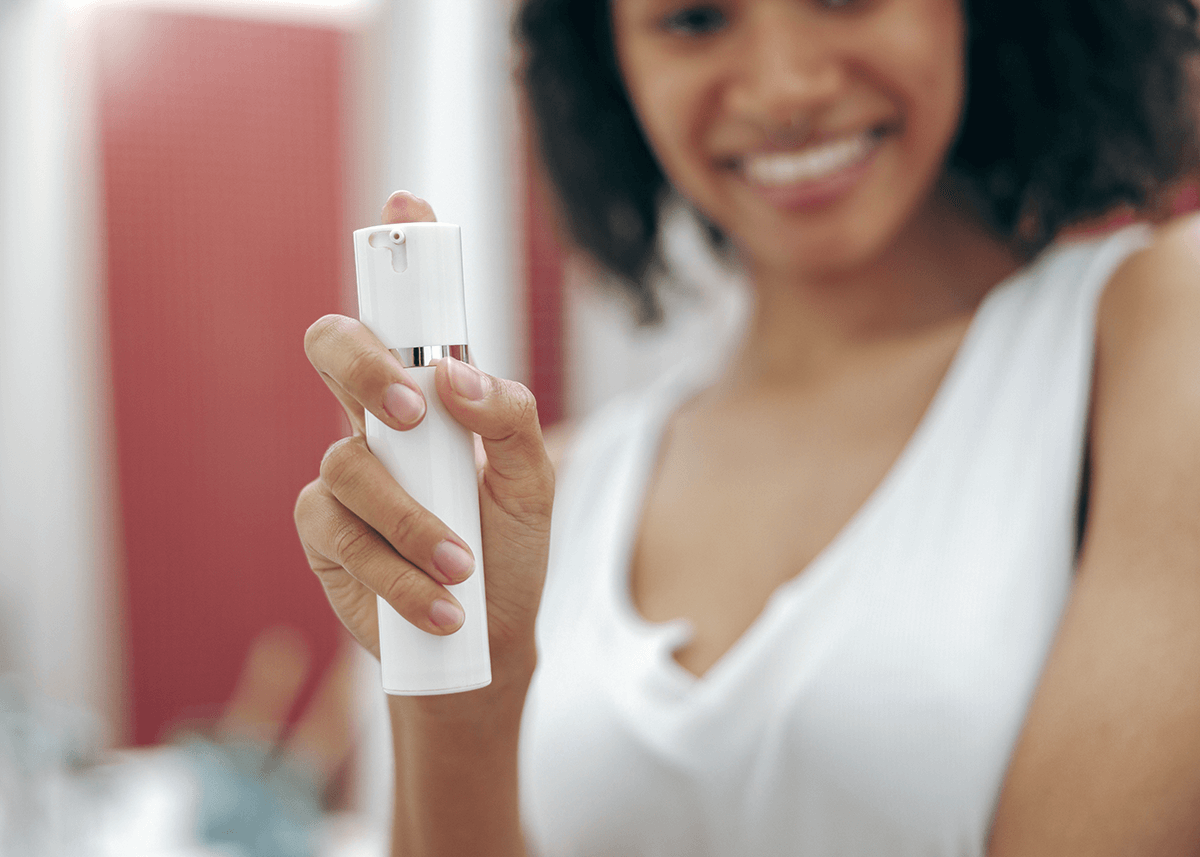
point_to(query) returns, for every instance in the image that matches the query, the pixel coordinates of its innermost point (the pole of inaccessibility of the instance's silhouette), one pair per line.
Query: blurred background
(178, 184)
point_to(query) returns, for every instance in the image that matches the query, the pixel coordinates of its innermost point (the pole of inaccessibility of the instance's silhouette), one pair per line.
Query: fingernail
(466, 380)
(443, 614)
(452, 562)
(403, 403)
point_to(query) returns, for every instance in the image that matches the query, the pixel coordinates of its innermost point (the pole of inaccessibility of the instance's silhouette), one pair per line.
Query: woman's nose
(788, 68)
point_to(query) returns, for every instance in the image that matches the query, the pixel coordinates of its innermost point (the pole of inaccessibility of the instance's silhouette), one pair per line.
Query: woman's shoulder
(1146, 408)
(1164, 276)
(1155, 285)
(1148, 338)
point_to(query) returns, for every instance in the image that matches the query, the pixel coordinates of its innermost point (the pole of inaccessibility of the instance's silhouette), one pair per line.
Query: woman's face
(810, 131)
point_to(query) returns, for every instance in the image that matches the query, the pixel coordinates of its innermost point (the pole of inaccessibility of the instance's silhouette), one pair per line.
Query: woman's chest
(865, 697)
(852, 717)
(728, 518)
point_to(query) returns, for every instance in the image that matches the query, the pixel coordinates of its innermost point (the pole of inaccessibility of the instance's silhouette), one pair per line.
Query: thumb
(504, 415)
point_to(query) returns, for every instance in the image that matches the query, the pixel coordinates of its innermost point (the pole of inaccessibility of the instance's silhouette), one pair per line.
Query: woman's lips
(812, 176)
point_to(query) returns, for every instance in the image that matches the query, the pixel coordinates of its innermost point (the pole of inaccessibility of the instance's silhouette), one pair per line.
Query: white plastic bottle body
(435, 464)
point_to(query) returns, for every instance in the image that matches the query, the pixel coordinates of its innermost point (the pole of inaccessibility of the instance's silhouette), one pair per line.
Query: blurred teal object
(252, 800)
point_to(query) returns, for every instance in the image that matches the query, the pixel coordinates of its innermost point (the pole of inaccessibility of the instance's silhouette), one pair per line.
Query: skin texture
(866, 281)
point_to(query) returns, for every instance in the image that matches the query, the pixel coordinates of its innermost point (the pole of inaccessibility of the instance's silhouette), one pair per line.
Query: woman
(848, 597)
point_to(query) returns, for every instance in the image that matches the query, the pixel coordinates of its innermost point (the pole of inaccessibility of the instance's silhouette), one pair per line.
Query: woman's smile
(819, 161)
(813, 175)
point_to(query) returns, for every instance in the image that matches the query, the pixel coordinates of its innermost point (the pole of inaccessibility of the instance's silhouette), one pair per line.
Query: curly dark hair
(1073, 108)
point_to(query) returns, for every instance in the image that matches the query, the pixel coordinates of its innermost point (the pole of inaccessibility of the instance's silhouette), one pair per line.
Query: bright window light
(331, 11)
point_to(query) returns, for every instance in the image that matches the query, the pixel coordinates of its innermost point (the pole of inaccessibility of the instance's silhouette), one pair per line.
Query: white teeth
(785, 168)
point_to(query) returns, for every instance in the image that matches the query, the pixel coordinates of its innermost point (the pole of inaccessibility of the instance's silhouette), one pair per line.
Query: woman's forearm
(456, 774)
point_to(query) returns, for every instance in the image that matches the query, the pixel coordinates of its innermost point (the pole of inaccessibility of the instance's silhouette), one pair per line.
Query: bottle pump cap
(410, 284)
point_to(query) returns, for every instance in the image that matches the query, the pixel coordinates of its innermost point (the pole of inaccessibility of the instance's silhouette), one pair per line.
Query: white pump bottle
(410, 295)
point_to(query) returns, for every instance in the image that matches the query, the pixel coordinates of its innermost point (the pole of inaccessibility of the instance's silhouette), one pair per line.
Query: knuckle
(332, 578)
(350, 540)
(405, 525)
(360, 364)
(363, 367)
(540, 482)
(328, 328)
(532, 500)
(539, 502)
(518, 415)
(341, 461)
(524, 405)
(305, 503)
(543, 481)
(400, 589)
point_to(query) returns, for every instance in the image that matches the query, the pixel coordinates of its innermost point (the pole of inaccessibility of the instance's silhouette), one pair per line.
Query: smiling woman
(836, 117)
(1072, 107)
(913, 571)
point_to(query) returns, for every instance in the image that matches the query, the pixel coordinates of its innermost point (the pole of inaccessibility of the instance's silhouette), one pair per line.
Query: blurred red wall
(221, 153)
(544, 262)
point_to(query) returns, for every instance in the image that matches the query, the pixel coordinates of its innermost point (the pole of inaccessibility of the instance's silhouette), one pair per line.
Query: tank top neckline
(657, 408)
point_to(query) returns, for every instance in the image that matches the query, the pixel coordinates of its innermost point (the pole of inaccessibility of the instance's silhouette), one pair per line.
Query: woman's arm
(1108, 762)
(456, 774)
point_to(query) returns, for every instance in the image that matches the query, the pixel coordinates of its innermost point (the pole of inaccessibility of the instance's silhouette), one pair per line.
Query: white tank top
(871, 709)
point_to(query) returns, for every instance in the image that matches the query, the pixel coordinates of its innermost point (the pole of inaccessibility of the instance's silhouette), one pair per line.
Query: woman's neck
(806, 324)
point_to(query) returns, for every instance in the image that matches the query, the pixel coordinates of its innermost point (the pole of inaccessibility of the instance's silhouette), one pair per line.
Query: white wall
(56, 492)
(450, 138)
(705, 308)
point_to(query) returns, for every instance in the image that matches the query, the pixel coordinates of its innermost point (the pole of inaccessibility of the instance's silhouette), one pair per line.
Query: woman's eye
(695, 21)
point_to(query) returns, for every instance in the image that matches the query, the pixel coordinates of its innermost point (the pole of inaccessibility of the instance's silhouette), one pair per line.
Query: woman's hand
(364, 536)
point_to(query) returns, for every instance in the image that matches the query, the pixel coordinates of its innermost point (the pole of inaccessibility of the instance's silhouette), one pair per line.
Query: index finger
(362, 373)
(355, 365)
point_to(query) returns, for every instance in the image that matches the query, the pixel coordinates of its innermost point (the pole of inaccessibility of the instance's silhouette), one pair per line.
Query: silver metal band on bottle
(427, 355)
